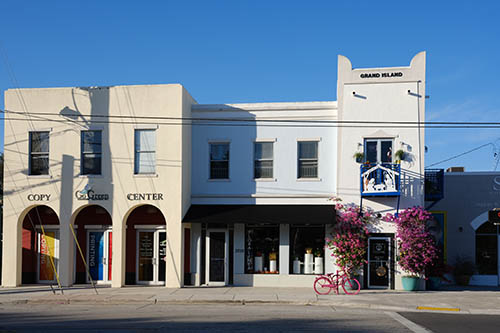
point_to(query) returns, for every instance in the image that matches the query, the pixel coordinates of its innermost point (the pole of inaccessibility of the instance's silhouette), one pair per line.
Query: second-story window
(378, 150)
(307, 159)
(145, 151)
(91, 152)
(39, 153)
(263, 160)
(219, 161)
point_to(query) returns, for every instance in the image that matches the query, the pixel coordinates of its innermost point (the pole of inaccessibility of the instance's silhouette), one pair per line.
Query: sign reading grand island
(379, 75)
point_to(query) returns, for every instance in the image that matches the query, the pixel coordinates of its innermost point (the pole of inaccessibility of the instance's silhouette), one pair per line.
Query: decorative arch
(144, 220)
(39, 251)
(479, 220)
(93, 229)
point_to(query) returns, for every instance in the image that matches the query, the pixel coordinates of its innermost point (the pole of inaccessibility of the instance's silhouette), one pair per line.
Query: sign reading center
(144, 196)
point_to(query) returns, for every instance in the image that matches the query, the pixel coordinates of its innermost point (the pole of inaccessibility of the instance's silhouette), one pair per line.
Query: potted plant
(416, 246)
(359, 156)
(436, 274)
(400, 155)
(463, 270)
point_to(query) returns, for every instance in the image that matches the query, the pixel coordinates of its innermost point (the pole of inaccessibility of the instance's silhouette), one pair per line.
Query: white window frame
(379, 148)
(299, 141)
(136, 152)
(256, 142)
(210, 143)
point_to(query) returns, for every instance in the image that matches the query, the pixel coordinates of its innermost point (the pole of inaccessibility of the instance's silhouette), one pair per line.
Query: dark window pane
(39, 142)
(264, 169)
(308, 169)
(262, 249)
(386, 153)
(486, 254)
(308, 150)
(263, 150)
(39, 165)
(371, 152)
(219, 170)
(219, 151)
(91, 164)
(91, 141)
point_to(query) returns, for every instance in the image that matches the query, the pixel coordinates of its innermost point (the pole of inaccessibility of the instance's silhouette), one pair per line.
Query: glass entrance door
(151, 256)
(99, 253)
(379, 256)
(217, 253)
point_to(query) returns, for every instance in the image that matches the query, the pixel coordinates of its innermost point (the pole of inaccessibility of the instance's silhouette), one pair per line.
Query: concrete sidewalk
(472, 301)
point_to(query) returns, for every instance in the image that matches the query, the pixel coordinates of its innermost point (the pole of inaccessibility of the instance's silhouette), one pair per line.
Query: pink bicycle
(324, 284)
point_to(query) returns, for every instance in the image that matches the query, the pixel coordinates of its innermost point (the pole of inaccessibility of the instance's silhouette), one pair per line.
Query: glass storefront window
(307, 253)
(262, 249)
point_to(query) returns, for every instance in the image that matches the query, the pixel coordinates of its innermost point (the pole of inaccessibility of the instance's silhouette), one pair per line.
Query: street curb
(155, 301)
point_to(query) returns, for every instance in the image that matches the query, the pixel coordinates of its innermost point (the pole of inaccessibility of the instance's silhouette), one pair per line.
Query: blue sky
(267, 51)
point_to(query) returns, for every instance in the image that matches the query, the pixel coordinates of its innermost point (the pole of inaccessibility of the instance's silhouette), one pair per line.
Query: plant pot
(410, 283)
(434, 283)
(462, 280)
(357, 277)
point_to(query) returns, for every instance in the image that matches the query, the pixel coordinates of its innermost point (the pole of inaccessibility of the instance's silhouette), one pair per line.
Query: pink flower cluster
(349, 239)
(417, 249)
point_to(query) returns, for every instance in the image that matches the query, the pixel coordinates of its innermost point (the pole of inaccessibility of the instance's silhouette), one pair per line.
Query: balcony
(434, 184)
(381, 179)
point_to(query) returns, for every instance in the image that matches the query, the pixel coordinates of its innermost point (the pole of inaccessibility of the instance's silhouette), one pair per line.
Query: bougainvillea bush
(416, 246)
(349, 238)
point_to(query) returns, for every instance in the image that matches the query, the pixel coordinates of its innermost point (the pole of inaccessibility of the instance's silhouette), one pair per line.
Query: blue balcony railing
(381, 179)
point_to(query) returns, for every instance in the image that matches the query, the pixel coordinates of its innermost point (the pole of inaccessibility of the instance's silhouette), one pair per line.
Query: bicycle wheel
(351, 286)
(322, 285)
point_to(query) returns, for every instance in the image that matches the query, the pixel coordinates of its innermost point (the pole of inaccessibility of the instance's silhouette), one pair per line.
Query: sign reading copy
(38, 197)
(144, 196)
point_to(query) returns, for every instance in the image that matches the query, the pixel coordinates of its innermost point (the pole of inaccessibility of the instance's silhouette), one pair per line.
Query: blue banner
(96, 254)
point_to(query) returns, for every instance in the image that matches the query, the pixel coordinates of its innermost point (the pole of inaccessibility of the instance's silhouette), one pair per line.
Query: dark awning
(286, 214)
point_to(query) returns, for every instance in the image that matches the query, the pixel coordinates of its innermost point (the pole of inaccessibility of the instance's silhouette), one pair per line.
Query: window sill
(265, 180)
(309, 179)
(91, 176)
(145, 175)
(219, 180)
(40, 176)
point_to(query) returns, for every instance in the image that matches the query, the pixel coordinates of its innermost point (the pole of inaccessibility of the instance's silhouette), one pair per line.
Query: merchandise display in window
(262, 249)
(307, 252)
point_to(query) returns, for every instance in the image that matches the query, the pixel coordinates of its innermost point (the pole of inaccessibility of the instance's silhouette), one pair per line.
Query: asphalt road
(206, 318)
(229, 317)
(454, 323)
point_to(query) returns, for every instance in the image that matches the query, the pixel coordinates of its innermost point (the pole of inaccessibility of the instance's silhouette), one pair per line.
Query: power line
(459, 155)
(301, 124)
(424, 123)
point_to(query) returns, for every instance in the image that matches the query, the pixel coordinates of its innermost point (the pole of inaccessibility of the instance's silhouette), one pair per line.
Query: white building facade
(141, 185)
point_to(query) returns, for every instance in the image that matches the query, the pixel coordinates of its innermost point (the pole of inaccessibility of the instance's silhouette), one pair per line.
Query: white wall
(285, 187)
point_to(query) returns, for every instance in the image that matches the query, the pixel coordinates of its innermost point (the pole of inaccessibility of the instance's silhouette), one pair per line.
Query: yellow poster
(47, 250)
